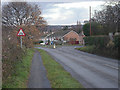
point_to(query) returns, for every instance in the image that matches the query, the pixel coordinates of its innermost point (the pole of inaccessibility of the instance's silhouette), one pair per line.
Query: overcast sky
(67, 12)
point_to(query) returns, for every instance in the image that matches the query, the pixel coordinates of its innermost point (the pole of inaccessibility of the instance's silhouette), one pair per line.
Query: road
(90, 70)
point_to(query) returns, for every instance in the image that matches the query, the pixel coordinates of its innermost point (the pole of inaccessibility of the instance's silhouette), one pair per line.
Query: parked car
(42, 43)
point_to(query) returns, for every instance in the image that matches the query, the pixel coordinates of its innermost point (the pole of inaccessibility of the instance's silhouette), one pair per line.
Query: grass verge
(59, 78)
(89, 49)
(19, 78)
(105, 52)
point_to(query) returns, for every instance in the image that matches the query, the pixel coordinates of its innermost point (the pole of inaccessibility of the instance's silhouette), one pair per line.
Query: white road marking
(111, 66)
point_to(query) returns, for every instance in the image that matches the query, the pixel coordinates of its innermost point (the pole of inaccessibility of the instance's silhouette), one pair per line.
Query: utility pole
(90, 19)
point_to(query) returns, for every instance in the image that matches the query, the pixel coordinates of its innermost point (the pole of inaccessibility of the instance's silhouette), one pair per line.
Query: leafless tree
(109, 17)
(21, 13)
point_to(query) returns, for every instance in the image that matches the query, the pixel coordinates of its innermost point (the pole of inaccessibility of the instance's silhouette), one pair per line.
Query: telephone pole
(90, 19)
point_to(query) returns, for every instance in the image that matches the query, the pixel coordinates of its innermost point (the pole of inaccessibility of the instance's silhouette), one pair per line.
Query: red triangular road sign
(20, 32)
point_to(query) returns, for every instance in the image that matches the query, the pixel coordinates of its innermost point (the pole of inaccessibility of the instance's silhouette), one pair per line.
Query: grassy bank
(19, 78)
(59, 78)
(89, 49)
(101, 52)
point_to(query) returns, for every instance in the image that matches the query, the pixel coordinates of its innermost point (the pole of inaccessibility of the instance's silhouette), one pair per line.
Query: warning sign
(20, 32)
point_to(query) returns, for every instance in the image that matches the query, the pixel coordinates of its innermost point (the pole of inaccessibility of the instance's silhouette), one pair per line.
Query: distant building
(68, 36)
(72, 37)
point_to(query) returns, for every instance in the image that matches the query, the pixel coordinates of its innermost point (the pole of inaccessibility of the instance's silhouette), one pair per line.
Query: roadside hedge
(103, 46)
(11, 54)
(98, 41)
(117, 44)
(117, 41)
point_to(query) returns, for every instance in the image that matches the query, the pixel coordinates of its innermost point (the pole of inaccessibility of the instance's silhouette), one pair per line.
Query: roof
(71, 31)
(59, 33)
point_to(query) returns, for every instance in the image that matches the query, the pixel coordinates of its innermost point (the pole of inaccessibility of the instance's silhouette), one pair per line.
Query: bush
(11, 54)
(21, 69)
(103, 46)
(117, 44)
(106, 52)
(117, 41)
(89, 49)
(98, 41)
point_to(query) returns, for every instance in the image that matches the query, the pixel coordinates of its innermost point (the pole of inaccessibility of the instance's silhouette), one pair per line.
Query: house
(68, 36)
(45, 38)
(72, 37)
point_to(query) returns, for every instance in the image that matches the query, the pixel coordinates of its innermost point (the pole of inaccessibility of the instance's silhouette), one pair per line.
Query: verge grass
(59, 78)
(89, 49)
(105, 52)
(22, 69)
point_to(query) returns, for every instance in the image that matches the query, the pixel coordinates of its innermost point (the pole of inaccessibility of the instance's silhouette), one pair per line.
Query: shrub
(103, 46)
(117, 44)
(98, 41)
(117, 41)
(89, 49)
(11, 54)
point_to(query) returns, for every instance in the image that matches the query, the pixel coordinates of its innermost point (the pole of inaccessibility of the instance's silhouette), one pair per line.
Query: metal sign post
(21, 41)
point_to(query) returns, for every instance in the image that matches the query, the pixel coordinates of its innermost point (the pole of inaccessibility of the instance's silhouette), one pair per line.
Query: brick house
(72, 37)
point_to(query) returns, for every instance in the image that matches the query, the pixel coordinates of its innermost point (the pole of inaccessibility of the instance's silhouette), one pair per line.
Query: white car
(42, 43)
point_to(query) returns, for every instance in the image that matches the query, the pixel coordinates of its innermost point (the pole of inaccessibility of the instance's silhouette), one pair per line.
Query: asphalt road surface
(90, 70)
(38, 78)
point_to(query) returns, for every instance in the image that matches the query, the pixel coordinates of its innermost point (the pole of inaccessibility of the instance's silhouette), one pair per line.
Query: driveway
(90, 70)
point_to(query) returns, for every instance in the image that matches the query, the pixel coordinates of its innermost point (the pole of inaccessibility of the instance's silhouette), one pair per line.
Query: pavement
(90, 70)
(38, 78)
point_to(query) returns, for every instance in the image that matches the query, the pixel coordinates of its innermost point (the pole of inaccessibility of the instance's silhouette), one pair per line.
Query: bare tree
(21, 13)
(109, 17)
(24, 15)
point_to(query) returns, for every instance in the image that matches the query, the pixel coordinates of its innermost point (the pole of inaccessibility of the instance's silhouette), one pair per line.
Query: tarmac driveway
(90, 70)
